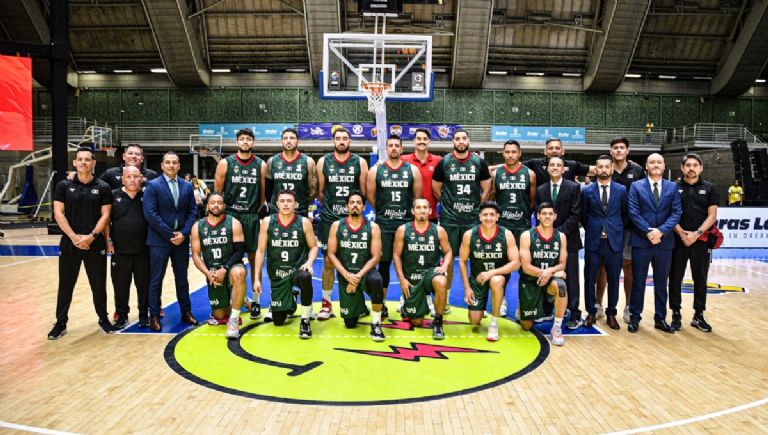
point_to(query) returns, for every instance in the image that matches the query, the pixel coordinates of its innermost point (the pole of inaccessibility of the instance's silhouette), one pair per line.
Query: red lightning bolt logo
(417, 351)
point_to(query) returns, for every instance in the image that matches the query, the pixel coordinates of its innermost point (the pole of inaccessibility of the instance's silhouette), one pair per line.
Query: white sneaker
(325, 311)
(544, 319)
(268, 316)
(626, 315)
(233, 328)
(557, 336)
(493, 333)
(431, 305)
(503, 310)
(600, 311)
(447, 309)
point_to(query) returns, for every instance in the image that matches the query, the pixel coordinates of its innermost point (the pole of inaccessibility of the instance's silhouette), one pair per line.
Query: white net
(377, 96)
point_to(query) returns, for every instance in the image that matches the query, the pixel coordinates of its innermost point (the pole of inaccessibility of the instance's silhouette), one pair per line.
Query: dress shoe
(591, 319)
(154, 324)
(664, 326)
(612, 322)
(188, 318)
(677, 321)
(633, 327)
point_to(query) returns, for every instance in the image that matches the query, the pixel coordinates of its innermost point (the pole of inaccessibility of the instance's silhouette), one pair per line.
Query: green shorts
(482, 292)
(416, 305)
(387, 242)
(220, 296)
(455, 234)
(352, 305)
(516, 232)
(250, 223)
(531, 297)
(282, 280)
(326, 222)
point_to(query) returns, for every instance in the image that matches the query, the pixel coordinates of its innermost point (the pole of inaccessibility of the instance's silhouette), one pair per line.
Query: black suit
(568, 209)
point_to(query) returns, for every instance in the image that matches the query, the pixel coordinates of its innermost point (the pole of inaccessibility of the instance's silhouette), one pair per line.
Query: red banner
(15, 103)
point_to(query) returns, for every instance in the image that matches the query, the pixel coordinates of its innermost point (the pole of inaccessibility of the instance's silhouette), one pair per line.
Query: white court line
(693, 419)
(13, 426)
(22, 262)
(741, 268)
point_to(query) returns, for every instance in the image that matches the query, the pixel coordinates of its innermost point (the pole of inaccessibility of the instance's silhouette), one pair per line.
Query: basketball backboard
(404, 62)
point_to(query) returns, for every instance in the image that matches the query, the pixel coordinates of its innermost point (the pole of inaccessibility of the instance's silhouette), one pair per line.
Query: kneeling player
(418, 248)
(543, 254)
(288, 242)
(218, 244)
(354, 248)
(493, 255)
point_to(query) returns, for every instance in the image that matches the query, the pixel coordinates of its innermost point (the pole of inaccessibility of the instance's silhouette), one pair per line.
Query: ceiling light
(498, 73)
(702, 78)
(760, 81)
(438, 70)
(90, 71)
(663, 77)
(571, 74)
(297, 70)
(258, 70)
(220, 70)
(123, 71)
(159, 70)
(632, 76)
(537, 74)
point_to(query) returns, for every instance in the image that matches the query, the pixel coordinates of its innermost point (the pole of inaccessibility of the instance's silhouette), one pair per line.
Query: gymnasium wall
(449, 106)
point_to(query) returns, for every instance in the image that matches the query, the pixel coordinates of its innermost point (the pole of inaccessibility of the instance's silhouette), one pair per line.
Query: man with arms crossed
(338, 173)
(354, 249)
(420, 248)
(543, 253)
(218, 245)
(240, 179)
(288, 243)
(493, 256)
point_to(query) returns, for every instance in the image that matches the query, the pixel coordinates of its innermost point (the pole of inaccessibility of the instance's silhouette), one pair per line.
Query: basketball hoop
(109, 150)
(376, 92)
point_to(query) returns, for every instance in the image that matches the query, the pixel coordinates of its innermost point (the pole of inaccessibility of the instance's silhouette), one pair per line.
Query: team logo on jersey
(364, 236)
(298, 167)
(340, 366)
(224, 231)
(498, 246)
(118, 199)
(71, 189)
(236, 169)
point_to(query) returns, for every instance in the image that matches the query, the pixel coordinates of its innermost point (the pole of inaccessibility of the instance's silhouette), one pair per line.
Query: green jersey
(242, 185)
(215, 241)
(545, 252)
(394, 196)
(354, 245)
(487, 254)
(421, 251)
(461, 193)
(341, 179)
(286, 247)
(290, 175)
(513, 195)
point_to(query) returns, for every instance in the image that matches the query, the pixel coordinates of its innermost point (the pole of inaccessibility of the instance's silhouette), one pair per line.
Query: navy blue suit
(164, 218)
(644, 215)
(603, 241)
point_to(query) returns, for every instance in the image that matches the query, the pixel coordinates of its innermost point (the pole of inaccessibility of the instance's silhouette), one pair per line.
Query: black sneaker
(58, 331)
(255, 311)
(699, 323)
(677, 320)
(437, 330)
(304, 330)
(366, 311)
(376, 333)
(143, 321)
(122, 321)
(106, 327)
(384, 312)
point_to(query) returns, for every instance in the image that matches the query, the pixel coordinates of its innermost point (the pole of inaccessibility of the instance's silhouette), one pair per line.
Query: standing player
(418, 250)
(339, 173)
(391, 188)
(514, 186)
(294, 171)
(354, 249)
(493, 256)
(218, 245)
(461, 182)
(543, 253)
(288, 243)
(132, 156)
(240, 178)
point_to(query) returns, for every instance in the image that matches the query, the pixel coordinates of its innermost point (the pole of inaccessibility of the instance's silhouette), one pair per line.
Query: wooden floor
(93, 383)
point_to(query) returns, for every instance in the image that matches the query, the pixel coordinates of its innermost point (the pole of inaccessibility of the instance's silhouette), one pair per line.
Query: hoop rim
(376, 88)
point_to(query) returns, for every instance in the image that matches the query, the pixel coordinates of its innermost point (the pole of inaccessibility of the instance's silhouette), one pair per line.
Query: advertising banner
(503, 133)
(260, 131)
(367, 131)
(743, 227)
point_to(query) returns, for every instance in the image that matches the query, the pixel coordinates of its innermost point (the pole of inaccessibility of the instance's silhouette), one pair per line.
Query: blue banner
(260, 131)
(503, 133)
(367, 131)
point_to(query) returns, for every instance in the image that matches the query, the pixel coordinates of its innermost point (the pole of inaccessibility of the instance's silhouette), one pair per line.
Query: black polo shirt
(128, 228)
(631, 173)
(571, 170)
(695, 199)
(113, 176)
(82, 205)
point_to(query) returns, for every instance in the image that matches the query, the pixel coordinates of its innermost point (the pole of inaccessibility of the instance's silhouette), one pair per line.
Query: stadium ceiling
(600, 41)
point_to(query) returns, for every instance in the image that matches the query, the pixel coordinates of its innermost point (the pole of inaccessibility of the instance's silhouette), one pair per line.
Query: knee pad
(279, 318)
(303, 278)
(350, 323)
(562, 290)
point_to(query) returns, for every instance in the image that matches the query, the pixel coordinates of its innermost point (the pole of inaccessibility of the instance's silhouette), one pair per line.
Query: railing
(43, 127)
(635, 136)
(143, 132)
(712, 134)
